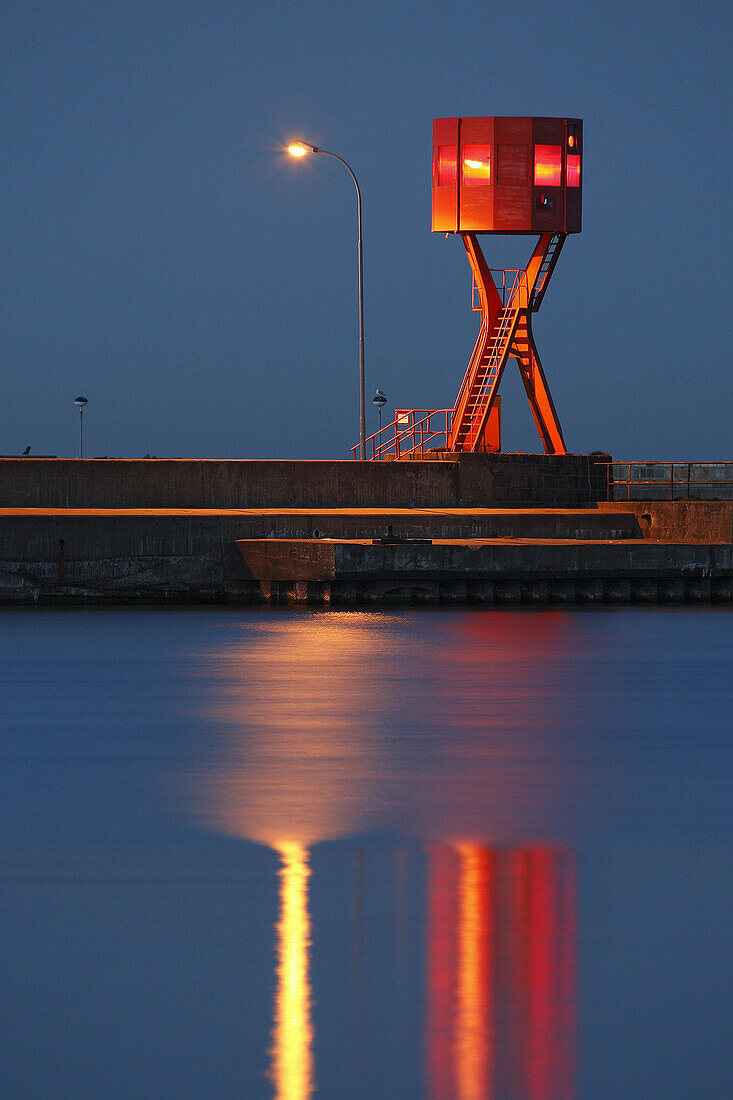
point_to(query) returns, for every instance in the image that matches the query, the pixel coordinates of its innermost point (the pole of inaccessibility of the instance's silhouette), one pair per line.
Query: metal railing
(669, 480)
(506, 280)
(408, 434)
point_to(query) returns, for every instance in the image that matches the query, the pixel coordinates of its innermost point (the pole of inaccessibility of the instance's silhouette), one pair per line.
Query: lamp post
(301, 149)
(80, 402)
(379, 401)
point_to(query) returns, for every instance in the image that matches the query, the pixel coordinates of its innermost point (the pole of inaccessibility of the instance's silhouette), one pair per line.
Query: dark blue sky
(162, 256)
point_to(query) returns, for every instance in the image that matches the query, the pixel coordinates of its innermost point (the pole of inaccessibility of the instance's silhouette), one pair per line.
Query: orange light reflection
(292, 1049)
(473, 1025)
(302, 756)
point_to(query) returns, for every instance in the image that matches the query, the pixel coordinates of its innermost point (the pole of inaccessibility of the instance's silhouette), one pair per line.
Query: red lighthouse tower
(504, 176)
(507, 175)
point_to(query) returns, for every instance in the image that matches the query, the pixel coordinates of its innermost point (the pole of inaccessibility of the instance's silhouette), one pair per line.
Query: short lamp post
(379, 401)
(301, 149)
(80, 403)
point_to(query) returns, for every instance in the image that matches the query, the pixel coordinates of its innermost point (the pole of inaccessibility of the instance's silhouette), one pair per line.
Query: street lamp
(80, 402)
(301, 149)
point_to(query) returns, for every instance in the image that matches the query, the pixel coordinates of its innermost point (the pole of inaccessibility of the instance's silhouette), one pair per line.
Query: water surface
(448, 853)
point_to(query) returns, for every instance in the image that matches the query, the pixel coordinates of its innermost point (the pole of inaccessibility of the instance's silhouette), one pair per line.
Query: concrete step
(349, 523)
(416, 523)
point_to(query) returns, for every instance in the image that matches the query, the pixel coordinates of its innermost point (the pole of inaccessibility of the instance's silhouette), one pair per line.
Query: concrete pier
(108, 532)
(496, 571)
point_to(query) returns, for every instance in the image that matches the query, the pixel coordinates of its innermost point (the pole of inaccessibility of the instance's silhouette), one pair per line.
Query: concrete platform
(147, 531)
(486, 571)
(585, 523)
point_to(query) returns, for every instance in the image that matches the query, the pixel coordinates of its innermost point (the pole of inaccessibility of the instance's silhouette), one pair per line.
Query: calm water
(458, 854)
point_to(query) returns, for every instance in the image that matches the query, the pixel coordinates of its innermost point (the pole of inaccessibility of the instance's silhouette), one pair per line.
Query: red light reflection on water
(501, 697)
(534, 633)
(501, 973)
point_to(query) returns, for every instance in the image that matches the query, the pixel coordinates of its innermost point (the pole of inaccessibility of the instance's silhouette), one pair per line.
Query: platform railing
(410, 433)
(506, 281)
(669, 480)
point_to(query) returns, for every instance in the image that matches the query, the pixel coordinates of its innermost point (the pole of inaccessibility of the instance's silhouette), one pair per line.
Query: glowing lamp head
(475, 163)
(301, 148)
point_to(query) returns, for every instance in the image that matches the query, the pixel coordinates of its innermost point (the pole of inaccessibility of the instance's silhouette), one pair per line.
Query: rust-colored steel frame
(506, 332)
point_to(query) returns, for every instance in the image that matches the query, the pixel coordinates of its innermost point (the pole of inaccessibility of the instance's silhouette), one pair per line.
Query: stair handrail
(499, 334)
(394, 443)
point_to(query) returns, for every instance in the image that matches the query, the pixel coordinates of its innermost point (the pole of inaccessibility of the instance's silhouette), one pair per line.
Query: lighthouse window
(445, 158)
(547, 166)
(476, 165)
(572, 170)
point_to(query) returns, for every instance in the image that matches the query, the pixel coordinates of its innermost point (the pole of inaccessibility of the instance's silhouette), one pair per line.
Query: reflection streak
(474, 948)
(292, 1049)
(501, 981)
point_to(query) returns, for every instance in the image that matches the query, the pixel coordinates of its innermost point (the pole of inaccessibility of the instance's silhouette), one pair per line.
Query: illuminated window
(547, 165)
(476, 165)
(444, 165)
(572, 171)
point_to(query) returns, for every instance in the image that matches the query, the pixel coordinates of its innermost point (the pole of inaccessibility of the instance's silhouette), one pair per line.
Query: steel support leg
(471, 410)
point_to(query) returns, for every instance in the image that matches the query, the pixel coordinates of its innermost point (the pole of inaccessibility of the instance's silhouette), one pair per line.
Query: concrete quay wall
(496, 573)
(502, 481)
(36, 535)
(186, 564)
(188, 556)
(65, 535)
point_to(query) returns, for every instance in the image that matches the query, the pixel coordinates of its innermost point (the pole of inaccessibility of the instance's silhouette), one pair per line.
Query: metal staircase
(546, 269)
(483, 374)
